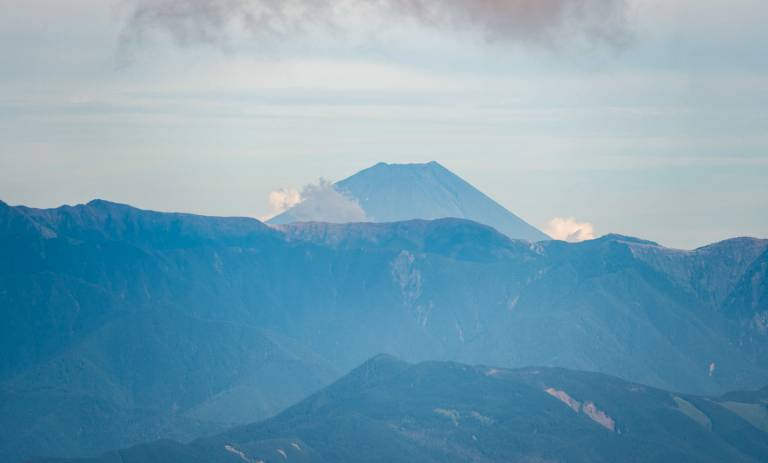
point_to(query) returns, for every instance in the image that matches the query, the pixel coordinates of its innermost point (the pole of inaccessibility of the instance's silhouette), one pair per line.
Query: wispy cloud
(570, 229)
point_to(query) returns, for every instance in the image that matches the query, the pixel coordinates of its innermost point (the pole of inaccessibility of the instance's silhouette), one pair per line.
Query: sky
(642, 117)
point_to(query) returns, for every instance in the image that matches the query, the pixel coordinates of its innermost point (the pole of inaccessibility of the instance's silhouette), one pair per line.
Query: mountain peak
(383, 360)
(98, 202)
(626, 239)
(734, 243)
(399, 192)
(374, 370)
(408, 164)
(413, 168)
(109, 205)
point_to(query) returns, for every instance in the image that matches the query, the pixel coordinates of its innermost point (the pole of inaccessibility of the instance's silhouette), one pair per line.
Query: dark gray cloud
(210, 21)
(540, 21)
(543, 22)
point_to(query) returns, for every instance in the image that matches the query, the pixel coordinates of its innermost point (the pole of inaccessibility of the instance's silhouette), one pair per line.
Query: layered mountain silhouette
(388, 410)
(398, 192)
(122, 326)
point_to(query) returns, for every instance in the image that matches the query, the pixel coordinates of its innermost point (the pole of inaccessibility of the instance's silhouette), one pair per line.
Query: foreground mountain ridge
(399, 192)
(389, 410)
(238, 320)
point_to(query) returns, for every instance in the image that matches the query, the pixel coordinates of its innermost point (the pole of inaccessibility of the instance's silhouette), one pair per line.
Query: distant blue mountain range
(387, 410)
(122, 325)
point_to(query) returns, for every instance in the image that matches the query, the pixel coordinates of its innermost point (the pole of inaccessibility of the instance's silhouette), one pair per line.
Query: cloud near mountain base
(570, 229)
(317, 202)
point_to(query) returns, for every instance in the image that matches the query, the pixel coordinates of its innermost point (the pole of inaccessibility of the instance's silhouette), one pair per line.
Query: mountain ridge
(390, 410)
(239, 320)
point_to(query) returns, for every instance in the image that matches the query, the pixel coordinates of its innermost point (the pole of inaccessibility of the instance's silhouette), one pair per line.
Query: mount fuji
(397, 192)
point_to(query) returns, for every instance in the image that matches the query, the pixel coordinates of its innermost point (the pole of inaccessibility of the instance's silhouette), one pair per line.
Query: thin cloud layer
(569, 229)
(216, 22)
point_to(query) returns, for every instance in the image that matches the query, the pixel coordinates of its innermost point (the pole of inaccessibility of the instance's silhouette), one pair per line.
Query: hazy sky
(642, 117)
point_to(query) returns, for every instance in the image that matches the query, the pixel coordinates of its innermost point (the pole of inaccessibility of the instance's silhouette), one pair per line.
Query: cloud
(569, 229)
(539, 21)
(318, 202)
(283, 199)
(216, 22)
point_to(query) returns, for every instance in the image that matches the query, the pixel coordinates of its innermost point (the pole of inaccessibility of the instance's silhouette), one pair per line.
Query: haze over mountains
(388, 410)
(123, 326)
(397, 192)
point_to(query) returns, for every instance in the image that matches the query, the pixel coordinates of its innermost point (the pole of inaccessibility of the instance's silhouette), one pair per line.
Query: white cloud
(283, 199)
(317, 202)
(569, 229)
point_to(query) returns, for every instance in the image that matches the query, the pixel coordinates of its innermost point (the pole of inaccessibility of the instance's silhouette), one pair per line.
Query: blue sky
(649, 119)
